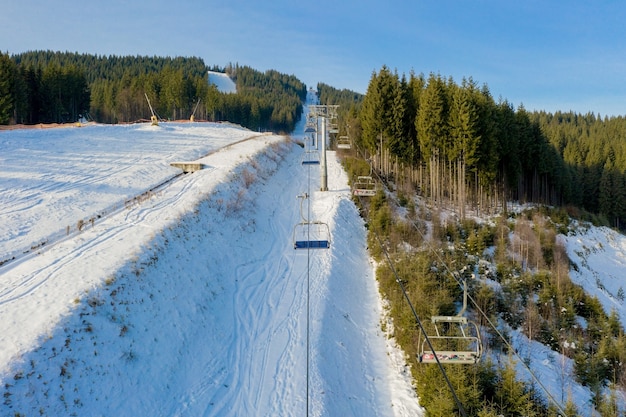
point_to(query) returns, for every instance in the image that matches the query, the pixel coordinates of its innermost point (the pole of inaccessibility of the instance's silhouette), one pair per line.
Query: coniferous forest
(458, 146)
(462, 151)
(453, 142)
(61, 87)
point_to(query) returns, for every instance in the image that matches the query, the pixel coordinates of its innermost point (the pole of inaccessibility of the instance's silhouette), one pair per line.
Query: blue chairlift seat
(311, 158)
(311, 244)
(311, 235)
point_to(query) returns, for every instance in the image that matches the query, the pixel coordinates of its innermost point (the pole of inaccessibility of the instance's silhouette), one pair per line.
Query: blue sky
(546, 55)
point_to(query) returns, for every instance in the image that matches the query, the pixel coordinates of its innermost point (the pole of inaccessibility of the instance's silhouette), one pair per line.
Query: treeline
(348, 111)
(346, 99)
(594, 149)
(61, 87)
(456, 144)
(34, 94)
(459, 144)
(264, 101)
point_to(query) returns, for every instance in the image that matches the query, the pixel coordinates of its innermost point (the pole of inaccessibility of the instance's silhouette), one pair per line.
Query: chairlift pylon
(310, 234)
(456, 339)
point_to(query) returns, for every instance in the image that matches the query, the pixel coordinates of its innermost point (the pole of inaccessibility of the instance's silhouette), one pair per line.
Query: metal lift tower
(328, 114)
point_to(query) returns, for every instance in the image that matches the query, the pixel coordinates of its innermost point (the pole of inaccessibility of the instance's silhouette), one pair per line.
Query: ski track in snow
(84, 167)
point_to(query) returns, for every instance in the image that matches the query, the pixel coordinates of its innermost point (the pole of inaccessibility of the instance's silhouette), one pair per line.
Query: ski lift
(343, 142)
(364, 186)
(311, 158)
(456, 339)
(311, 124)
(310, 234)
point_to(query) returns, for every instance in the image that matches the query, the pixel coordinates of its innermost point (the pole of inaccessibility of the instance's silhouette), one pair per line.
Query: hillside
(549, 306)
(187, 297)
(63, 87)
(189, 300)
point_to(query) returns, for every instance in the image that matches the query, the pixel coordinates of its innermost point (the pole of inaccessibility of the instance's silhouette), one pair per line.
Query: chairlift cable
(414, 312)
(308, 281)
(491, 324)
(417, 319)
(419, 323)
(475, 304)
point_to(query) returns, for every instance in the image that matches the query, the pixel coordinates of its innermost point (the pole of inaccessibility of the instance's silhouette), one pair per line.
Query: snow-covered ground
(52, 179)
(188, 299)
(600, 257)
(599, 254)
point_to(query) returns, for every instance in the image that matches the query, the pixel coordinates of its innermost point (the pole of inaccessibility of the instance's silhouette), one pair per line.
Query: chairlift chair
(343, 142)
(456, 339)
(364, 186)
(311, 124)
(311, 158)
(310, 234)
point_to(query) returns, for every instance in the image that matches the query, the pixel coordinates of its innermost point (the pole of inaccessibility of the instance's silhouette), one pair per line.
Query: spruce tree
(8, 72)
(432, 131)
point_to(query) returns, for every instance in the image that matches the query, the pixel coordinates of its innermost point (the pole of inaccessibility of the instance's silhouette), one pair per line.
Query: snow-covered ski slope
(188, 300)
(222, 81)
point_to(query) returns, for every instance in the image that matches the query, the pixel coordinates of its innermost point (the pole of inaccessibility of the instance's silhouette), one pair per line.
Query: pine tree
(507, 148)
(415, 88)
(487, 155)
(399, 141)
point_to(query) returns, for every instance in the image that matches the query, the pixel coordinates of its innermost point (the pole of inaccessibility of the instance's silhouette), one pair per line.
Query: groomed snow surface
(122, 294)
